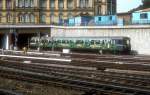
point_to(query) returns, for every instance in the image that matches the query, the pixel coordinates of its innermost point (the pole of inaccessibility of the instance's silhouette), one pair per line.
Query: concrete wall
(140, 35)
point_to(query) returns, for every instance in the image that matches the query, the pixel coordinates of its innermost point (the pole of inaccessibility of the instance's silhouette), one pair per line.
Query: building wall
(105, 20)
(139, 35)
(125, 17)
(51, 11)
(136, 18)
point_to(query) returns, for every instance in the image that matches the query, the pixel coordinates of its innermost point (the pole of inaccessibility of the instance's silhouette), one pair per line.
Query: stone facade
(51, 11)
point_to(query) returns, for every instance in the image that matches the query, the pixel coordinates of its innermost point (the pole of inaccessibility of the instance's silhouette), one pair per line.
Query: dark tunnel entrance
(24, 39)
(1, 40)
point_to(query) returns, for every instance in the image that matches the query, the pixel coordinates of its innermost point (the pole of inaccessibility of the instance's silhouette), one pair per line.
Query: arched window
(21, 18)
(32, 18)
(60, 18)
(9, 17)
(52, 18)
(27, 18)
(43, 18)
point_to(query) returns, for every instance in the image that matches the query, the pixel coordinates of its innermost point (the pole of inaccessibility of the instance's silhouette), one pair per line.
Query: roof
(125, 13)
(144, 10)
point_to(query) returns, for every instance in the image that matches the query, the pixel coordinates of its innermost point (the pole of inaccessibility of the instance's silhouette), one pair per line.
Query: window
(84, 3)
(27, 18)
(52, 3)
(60, 18)
(143, 16)
(9, 17)
(8, 4)
(70, 4)
(21, 18)
(119, 42)
(99, 18)
(26, 3)
(61, 4)
(43, 3)
(43, 18)
(110, 17)
(31, 3)
(21, 3)
(32, 18)
(52, 18)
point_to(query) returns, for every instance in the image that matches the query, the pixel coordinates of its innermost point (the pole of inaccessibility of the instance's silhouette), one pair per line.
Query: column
(65, 4)
(91, 2)
(48, 4)
(36, 3)
(77, 3)
(56, 4)
(7, 41)
(4, 4)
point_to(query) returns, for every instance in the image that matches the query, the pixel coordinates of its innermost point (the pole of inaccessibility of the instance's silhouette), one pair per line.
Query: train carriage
(105, 44)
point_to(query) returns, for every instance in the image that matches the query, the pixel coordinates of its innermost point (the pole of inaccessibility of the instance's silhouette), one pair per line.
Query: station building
(22, 19)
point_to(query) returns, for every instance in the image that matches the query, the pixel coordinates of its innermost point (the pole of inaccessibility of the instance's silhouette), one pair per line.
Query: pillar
(65, 4)
(7, 41)
(4, 4)
(56, 4)
(77, 3)
(48, 4)
(91, 2)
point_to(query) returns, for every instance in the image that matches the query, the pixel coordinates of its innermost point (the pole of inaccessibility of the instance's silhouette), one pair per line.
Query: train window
(37, 41)
(63, 41)
(49, 41)
(92, 41)
(70, 41)
(119, 41)
(67, 41)
(97, 42)
(103, 42)
(58, 41)
(79, 42)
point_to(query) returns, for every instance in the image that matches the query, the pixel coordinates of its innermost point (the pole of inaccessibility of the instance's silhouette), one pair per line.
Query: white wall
(140, 36)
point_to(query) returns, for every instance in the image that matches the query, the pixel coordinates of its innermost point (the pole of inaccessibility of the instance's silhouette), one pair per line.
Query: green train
(101, 44)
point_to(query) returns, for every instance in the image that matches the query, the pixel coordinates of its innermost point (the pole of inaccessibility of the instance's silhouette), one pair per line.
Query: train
(113, 45)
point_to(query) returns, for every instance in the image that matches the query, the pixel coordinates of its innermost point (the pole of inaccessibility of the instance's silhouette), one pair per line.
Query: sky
(126, 5)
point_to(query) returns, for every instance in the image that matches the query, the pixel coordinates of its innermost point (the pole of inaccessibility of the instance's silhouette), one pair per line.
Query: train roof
(97, 37)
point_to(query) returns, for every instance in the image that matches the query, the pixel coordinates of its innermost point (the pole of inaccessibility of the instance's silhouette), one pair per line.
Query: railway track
(101, 65)
(84, 78)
